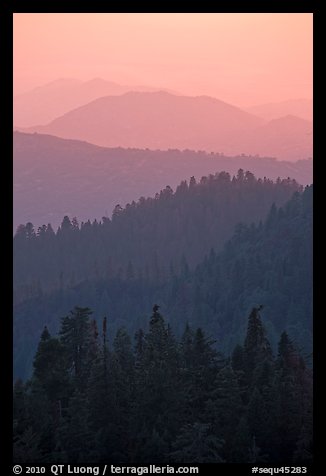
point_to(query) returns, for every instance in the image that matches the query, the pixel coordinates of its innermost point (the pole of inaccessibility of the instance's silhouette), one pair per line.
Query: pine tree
(75, 336)
(20, 417)
(75, 436)
(238, 364)
(187, 348)
(139, 347)
(48, 392)
(50, 367)
(123, 352)
(164, 400)
(123, 375)
(157, 378)
(256, 345)
(42, 418)
(102, 401)
(225, 408)
(257, 418)
(294, 416)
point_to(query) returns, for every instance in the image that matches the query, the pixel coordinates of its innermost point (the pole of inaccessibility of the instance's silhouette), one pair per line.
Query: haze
(232, 85)
(244, 59)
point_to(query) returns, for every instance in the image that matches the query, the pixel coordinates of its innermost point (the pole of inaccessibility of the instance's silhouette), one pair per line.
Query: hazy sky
(242, 58)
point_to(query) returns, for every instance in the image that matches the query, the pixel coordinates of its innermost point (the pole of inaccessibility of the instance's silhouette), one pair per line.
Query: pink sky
(242, 58)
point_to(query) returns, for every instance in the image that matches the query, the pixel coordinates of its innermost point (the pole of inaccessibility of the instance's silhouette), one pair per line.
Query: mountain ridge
(69, 169)
(160, 120)
(300, 107)
(268, 263)
(44, 103)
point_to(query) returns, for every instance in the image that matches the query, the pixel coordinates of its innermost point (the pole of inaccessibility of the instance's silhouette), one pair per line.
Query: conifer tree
(224, 409)
(256, 345)
(75, 336)
(293, 409)
(102, 400)
(50, 367)
(167, 399)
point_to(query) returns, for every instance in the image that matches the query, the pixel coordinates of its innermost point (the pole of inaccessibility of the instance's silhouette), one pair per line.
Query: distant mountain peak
(290, 118)
(302, 108)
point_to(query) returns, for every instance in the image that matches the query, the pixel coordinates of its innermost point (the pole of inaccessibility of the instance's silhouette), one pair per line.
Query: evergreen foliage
(163, 401)
(174, 229)
(264, 263)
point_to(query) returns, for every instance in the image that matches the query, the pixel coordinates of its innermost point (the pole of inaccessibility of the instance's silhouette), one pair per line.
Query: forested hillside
(162, 244)
(265, 263)
(162, 399)
(55, 177)
(146, 238)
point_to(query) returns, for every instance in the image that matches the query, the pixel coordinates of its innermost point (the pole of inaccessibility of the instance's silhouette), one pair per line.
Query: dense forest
(148, 237)
(268, 262)
(162, 279)
(162, 399)
(88, 181)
